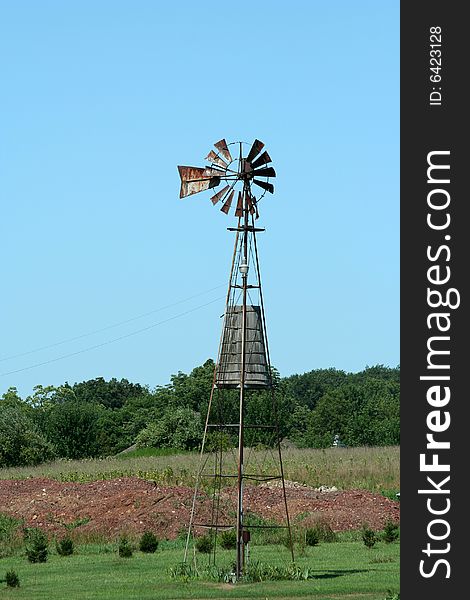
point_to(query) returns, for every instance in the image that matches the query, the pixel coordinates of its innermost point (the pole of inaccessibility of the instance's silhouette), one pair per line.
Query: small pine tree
(148, 542)
(124, 548)
(36, 545)
(12, 579)
(390, 532)
(368, 537)
(311, 536)
(65, 546)
(204, 544)
(228, 539)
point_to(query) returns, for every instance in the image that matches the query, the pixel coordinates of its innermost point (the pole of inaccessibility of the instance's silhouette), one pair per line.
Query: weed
(183, 571)
(324, 531)
(9, 528)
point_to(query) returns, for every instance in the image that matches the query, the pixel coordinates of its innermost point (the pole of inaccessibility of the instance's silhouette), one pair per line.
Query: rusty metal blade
(265, 185)
(239, 209)
(265, 172)
(261, 160)
(255, 150)
(219, 195)
(213, 158)
(193, 180)
(223, 148)
(213, 172)
(226, 207)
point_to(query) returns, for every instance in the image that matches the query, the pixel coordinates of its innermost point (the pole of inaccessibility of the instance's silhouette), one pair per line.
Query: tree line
(98, 418)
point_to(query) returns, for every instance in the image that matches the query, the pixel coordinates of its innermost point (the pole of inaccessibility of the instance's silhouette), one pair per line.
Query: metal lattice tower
(243, 369)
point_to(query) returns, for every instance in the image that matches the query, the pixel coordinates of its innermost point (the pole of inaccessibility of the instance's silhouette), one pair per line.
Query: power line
(122, 337)
(83, 335)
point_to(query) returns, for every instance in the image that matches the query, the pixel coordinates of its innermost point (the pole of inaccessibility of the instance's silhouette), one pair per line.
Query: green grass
(341, 570)
(140, 452)
(375, 469)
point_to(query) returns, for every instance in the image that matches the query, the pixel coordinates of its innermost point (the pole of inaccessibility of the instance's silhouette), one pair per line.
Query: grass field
(341, 570)
(373, 469)
(345, 569)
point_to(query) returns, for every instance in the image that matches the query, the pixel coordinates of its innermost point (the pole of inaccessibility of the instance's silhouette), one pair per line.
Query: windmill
(243, 367)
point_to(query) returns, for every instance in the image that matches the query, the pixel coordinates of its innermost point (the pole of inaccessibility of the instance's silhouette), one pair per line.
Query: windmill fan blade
(255, 150)
(219, 195)
(226, 207)
(265, 185)
(223, 149)
(193, 180)
(239, 209)
(261, 160)
(265, 172)
(213, 158)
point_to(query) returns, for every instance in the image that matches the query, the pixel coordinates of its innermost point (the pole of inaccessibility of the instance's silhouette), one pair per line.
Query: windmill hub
(233, 174)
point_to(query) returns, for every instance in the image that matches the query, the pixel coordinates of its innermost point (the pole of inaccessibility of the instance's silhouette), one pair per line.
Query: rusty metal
(265, 172)
(251, 205)
(216, 197)
(215, 159)
(239, 209)
(255, 150)
(261, 160)
(244, 172)
(223, 148)
(265, 185)
(226, 207)
(197, 179)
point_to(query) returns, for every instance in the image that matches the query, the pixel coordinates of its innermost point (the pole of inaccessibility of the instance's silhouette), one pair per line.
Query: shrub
(368, 536)
(311, 536)
(36, 545)
(124, 548)
(148, 542)
(324, 531)
(228, 539)
(12, 579)
(65, 546)
(204, 544)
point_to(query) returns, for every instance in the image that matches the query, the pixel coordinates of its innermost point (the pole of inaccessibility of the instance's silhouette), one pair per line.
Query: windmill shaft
(240, 545)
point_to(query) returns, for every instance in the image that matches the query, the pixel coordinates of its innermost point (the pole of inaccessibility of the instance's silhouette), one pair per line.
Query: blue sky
(102, 100)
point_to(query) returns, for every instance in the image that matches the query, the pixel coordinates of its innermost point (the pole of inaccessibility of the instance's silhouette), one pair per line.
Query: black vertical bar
(242, 400)
(434, 330)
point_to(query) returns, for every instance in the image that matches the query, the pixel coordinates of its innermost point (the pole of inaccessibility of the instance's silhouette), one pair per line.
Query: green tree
(21, 442)
(74, 428)
(178, 428)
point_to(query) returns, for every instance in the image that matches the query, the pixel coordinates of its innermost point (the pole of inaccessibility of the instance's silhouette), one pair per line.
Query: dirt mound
(133, 505)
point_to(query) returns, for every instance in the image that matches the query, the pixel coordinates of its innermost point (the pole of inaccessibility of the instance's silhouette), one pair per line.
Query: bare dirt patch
(132, 505)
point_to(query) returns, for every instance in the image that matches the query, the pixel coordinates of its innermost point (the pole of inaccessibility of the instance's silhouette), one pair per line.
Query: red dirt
(133, 505)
